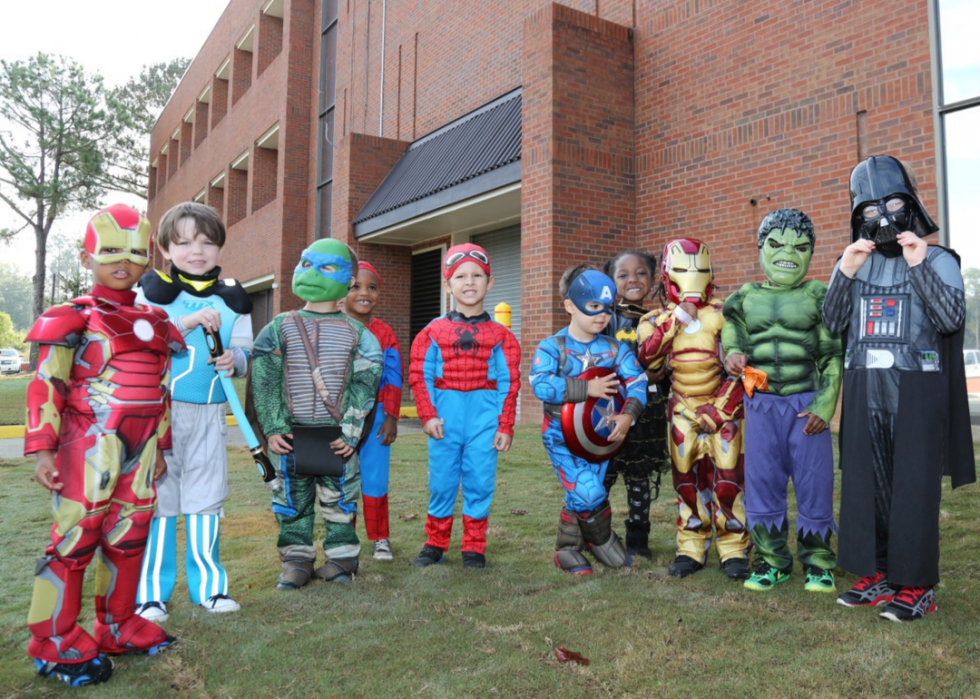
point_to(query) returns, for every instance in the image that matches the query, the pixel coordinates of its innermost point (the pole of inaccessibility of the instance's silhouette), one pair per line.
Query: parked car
(9, 361)
(971, 360)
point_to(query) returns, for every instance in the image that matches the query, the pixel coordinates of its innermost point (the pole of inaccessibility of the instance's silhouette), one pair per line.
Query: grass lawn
(446, 632)
(13, 388)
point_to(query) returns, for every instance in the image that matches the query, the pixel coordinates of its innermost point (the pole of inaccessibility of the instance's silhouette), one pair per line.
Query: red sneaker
(869, 591)
(910, 604)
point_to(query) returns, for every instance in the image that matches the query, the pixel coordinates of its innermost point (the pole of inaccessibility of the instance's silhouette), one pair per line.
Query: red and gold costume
(100, 401)
(705, 405)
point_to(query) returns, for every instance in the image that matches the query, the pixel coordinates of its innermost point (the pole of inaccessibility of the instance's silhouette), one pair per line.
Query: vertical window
(327, 103)
(959, 109)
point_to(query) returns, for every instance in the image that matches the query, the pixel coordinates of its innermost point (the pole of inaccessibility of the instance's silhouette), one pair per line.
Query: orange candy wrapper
(754, 379)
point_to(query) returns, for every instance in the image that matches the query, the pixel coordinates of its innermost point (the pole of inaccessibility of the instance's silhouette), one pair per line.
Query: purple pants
(775, 451)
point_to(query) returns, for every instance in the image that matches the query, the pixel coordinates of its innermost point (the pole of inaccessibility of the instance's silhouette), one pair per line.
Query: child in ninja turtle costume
(315, 377)
(774, 336)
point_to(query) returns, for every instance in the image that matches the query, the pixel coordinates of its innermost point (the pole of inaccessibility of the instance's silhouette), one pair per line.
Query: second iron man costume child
(98, 420)
(705, 410)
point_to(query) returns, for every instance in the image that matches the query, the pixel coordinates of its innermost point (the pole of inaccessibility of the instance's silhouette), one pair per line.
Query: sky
(114, 38)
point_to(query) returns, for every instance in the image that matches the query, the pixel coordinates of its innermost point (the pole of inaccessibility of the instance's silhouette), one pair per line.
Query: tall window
(959, 108)
(328, 100)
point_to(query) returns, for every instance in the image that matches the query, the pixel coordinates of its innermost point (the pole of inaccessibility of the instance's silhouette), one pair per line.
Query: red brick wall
(739, 101)
(241, 74)
(367, 160)
(201, 113)
(265, 172)
(270, 42)
(186, 141)
(577, 200)
(219, 101)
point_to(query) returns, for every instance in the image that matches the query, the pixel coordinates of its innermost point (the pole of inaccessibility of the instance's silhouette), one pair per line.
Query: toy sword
(258, 453)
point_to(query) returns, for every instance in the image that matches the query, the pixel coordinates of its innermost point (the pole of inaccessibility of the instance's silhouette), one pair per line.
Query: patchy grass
(446, 632)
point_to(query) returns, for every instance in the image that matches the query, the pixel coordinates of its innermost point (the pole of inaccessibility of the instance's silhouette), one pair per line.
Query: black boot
(638, 539)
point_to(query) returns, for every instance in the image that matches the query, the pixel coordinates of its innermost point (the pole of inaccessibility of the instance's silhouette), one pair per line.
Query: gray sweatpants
(196, 481)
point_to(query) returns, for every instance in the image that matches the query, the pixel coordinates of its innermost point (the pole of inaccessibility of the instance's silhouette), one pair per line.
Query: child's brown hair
(206, 219)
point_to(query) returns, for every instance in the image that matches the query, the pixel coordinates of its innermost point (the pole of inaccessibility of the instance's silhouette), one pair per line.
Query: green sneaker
(765, 577)
(819, 580)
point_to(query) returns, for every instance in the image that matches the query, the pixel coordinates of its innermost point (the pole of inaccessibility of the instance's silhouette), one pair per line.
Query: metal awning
(464, 160)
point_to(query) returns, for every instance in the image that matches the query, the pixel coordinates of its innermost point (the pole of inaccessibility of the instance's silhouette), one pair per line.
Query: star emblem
(588, 361)
(605, 412)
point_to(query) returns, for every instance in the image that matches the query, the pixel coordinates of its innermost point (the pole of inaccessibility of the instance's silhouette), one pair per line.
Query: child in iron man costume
(705, 408)
(98, 420)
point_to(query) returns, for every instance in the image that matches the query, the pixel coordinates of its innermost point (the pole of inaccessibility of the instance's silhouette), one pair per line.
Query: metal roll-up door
(504, 249)
(426, 301)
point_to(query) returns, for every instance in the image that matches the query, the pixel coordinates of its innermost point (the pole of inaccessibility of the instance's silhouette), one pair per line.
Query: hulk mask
(786, 240)
(324, 272)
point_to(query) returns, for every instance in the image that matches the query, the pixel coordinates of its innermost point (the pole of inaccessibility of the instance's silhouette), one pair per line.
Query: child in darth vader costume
(905, 422)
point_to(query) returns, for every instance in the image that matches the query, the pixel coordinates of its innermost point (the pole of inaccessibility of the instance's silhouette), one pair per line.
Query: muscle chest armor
(695, 355)
(328, 337)
(889, 326)
(192, 379)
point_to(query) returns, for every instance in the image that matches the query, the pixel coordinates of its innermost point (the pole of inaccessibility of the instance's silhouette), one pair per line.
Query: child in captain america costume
(190, 237)
(465, 375)
(586, 519)
(375, 449)
(98, 420)
(316, 368)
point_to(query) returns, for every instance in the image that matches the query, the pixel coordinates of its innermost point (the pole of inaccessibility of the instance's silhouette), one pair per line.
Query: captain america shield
(586, 427)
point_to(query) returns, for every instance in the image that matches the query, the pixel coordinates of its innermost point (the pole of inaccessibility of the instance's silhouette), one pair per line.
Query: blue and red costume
(376, 457)
(582, 480)
(466, 371)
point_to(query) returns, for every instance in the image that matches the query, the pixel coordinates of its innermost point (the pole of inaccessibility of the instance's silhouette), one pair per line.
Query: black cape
(933, 438)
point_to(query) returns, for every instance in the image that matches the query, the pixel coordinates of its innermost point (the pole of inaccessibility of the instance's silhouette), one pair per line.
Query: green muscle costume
(778, 326)
(340, 390)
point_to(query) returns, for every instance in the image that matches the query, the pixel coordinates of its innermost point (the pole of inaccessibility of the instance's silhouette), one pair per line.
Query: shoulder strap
(311, 356)
(562, 358)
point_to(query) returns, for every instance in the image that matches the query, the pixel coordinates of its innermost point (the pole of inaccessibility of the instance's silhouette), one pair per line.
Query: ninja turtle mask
(786, 240)
(324, 272)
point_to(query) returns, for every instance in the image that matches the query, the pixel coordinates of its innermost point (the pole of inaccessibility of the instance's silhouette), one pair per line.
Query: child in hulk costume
(775, 336)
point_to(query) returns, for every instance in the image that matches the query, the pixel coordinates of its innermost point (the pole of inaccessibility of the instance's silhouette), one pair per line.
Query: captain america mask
(324, 272)
(592, 285)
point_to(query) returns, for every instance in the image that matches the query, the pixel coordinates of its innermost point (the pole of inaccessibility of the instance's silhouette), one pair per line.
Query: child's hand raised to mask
(433, 428)
(603, 386)
(208, 317)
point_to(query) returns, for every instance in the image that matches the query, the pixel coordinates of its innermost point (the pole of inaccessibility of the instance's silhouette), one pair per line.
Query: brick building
(391, 125)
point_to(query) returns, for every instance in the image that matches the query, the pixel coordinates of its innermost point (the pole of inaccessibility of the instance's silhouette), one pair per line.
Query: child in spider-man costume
(465, 375)
(98, 420)
(382, 430)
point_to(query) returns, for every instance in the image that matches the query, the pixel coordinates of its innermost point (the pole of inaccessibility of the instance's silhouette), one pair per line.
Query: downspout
(381, 108)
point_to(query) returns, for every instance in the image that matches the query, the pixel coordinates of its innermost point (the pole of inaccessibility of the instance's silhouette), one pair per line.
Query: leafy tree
(68, 278)
(15, 296)
(136, 107)
(10, 337)
(54, 158)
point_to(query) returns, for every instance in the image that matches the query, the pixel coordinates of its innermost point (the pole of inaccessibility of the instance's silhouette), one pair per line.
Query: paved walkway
(14, 448)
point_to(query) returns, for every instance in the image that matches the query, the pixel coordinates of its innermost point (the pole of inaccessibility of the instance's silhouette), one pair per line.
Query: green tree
(136, 107)
(68, 278)
(54, 158)
(10, 337)
(16, 296)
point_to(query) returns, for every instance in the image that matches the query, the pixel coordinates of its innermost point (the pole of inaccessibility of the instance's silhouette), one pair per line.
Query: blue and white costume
(196, 482)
